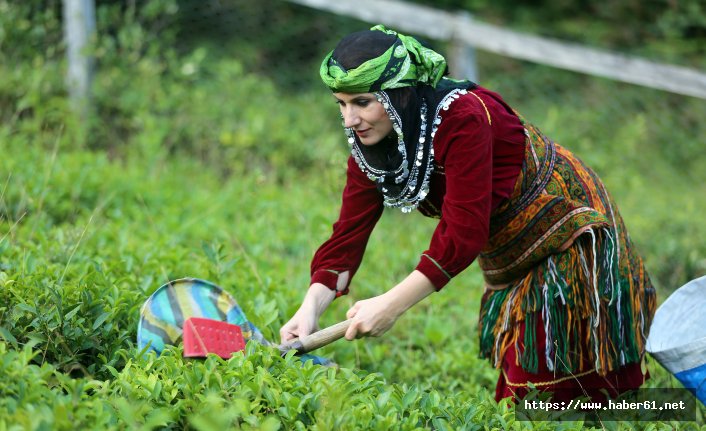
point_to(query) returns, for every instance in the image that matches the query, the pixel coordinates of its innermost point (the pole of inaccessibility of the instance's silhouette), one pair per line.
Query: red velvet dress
(479, 150)
(481, 159)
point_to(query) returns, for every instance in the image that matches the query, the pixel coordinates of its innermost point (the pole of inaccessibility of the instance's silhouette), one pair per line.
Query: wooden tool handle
(318, 339)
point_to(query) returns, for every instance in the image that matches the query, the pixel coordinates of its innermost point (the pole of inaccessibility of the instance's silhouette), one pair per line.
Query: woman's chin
(370, 141)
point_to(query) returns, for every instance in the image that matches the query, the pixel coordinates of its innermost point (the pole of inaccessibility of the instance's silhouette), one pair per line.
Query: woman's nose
(350, 117)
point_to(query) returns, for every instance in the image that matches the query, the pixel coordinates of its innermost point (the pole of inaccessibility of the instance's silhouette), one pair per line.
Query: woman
(567, 304)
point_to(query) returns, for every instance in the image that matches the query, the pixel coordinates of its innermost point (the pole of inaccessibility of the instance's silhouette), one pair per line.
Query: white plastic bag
(678, 336)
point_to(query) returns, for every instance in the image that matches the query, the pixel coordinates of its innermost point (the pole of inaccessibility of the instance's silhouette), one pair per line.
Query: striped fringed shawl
(560, 248)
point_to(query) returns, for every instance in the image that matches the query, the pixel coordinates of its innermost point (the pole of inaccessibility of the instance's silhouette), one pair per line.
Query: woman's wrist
(318, 298)
(410, 291)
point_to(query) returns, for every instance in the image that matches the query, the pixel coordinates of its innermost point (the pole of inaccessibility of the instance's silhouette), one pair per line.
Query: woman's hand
(375, 316)
(306, 319)
(371, 317)
(303, 323)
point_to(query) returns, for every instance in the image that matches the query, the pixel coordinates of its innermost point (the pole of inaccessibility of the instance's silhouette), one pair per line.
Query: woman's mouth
(362, 133)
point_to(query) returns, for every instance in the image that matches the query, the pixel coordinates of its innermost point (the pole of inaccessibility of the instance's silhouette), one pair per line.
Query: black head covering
(401, 164)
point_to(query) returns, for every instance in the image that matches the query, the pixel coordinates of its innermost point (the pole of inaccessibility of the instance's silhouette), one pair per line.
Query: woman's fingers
(352, 331)
(353, 310)
(370, 318)
(300, 325)
(287, 332)
(357, 329)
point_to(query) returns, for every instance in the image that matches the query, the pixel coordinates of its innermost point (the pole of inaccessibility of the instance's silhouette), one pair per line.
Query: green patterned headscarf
(408, 80)
(406, 63)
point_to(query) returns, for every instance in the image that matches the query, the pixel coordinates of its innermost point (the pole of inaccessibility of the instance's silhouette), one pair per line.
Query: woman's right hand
(306, 319)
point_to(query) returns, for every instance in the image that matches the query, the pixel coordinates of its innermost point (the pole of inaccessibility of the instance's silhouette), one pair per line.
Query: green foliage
(199, 103)
(75, 273)
(268, 36)
(258, 390)
(192, 165)
(671, 31)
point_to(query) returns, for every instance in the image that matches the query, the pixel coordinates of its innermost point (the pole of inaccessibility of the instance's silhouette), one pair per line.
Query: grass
(84, 225)
(191, 166)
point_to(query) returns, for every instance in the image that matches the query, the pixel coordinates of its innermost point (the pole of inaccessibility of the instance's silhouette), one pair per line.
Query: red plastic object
(202, 336)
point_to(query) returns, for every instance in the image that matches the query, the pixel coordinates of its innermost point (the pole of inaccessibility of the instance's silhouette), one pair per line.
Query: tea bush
(74, 274)
(192, 166)
(257, 390)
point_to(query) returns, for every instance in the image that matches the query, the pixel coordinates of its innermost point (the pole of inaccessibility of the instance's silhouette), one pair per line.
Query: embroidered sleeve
(466, 141)
(337, 259)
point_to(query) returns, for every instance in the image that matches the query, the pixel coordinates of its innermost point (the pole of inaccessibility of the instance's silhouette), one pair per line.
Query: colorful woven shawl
(556, 198)
(561, 249)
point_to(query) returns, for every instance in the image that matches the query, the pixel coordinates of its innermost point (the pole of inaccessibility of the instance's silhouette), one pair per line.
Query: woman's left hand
(371, 317)
(375, 316)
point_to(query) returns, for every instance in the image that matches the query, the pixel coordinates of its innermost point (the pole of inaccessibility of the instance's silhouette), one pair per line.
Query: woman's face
(365, 115)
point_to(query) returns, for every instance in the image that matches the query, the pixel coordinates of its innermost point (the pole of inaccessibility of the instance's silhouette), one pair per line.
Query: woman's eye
(363, 103)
